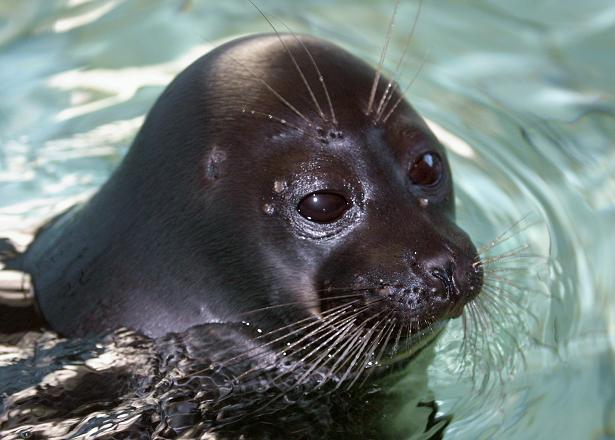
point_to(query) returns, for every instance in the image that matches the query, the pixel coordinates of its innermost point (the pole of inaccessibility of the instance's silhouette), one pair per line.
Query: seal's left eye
(426, 170)
(323, 207)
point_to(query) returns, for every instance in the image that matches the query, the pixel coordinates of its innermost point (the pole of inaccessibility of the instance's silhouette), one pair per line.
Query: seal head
(266, 177)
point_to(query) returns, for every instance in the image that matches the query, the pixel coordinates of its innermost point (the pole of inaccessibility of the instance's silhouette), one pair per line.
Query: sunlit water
(522, 93)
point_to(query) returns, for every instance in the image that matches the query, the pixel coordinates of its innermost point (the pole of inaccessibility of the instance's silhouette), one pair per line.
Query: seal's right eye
(323, 207)
(426, 170)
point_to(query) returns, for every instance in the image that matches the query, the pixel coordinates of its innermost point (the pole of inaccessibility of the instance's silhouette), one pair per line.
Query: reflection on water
(521, 93)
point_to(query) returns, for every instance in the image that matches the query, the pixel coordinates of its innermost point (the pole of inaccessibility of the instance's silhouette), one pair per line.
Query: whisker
(322, 326)
(368, 354)
(380, 66)
(386, 96)
(360, 351)
(406, 89)
(511, 307)
(392, 325)
(314, 365)
(346, 318)
(471, 307)
(271, 117)
(350, 345)
(294, 61)
(271, 89)
(383, 346)
(330, 334)
(507, 234)
(321, 77)
(307, 303)
(494, 280)
(326, 356)
(311, 321)
(516, 252)
(462, 354)
(397, 339)
(495, 346)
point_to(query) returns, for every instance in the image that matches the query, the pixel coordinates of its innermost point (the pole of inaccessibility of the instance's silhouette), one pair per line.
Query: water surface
(523, 94)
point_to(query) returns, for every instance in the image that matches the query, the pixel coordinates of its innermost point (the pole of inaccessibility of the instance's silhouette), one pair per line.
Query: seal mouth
(411, 308)
(413, 344)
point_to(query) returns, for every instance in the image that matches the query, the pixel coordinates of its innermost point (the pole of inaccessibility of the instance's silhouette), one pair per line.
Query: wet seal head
(277, 176)
(355, 193)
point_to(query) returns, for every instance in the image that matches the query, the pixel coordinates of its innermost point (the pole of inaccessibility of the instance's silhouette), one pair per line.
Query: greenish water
(524, 94)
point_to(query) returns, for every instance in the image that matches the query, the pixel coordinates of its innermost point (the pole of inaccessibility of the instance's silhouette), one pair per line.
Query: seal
(284, 219)
(278, 175)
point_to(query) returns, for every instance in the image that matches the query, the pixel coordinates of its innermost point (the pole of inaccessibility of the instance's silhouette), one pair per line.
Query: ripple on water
(523, 93)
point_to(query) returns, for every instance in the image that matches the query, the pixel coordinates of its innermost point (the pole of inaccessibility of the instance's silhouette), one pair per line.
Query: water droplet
(423, 203)
(268, 209)
(259, 330)
(279, 186)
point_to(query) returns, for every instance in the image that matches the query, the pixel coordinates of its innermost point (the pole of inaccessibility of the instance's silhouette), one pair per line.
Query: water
(524, 95)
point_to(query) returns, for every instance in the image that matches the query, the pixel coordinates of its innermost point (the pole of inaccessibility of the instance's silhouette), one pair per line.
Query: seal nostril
(445, 275)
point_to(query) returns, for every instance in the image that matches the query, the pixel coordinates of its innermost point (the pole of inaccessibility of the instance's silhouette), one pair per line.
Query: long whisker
(390, 326)
(507, 234)
(359, 353)
(368, 353)
(311, 321)
(271, 89)
(406, 89)
(321, 77)
(325, 355)
(337, 337)
(516, 252)
(351, 345)
(386, 96)
(344, 317)
(307, 303)
(383, 54)
(322, 323)
(279, 120)
(294, 61)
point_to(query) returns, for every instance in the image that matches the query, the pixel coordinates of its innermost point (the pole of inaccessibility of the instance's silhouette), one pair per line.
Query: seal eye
(323, 207)
(426, 170)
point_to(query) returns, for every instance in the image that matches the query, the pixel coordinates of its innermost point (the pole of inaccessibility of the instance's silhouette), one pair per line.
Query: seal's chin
(412, 345)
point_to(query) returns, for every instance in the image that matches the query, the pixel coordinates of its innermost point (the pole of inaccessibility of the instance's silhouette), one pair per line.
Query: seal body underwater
(270, 175)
